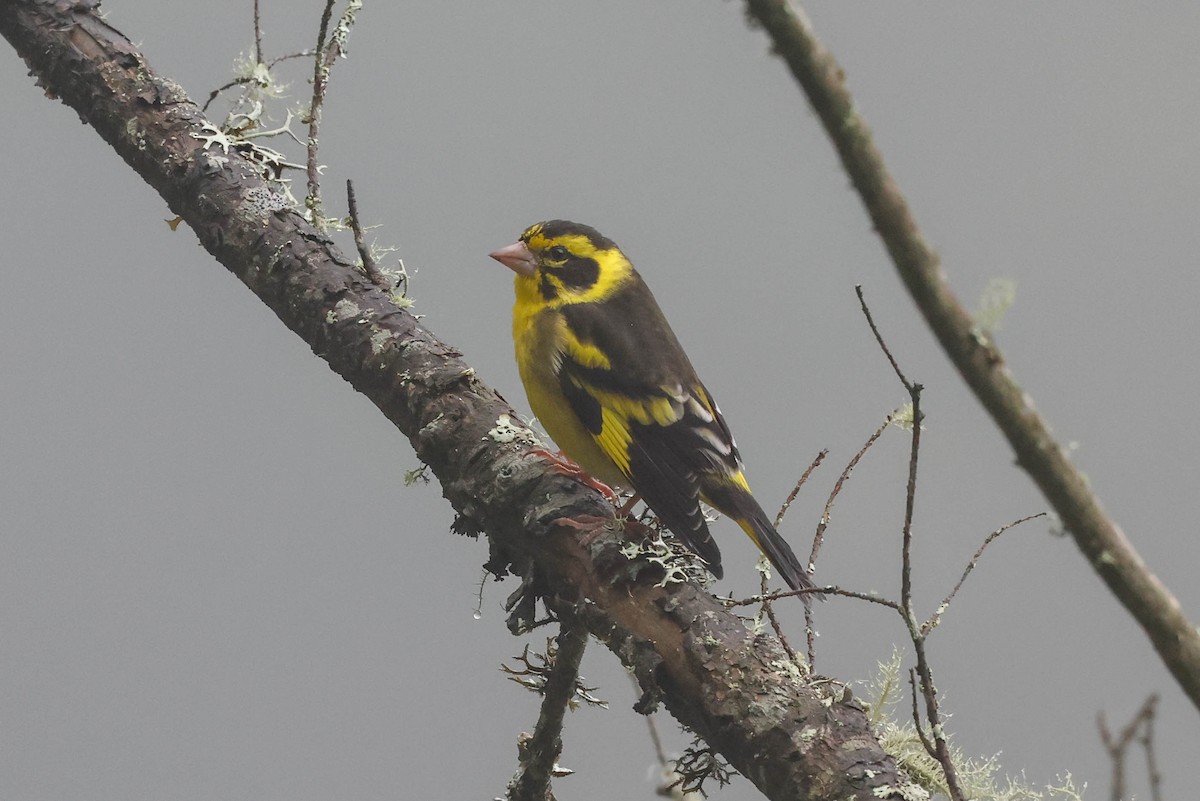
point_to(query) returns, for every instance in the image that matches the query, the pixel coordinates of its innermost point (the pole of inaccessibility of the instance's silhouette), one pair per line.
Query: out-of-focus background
(213, 581)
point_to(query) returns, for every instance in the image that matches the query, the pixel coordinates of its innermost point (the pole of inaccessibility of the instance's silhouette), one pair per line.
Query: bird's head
(564, 262)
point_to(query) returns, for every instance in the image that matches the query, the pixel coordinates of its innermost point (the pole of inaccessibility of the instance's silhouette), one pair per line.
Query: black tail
(737, 502)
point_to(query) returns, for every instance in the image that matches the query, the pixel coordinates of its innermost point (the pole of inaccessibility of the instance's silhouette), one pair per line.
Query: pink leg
(568, 467)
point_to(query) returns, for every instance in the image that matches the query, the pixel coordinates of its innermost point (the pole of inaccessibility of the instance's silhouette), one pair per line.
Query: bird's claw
(568, 467)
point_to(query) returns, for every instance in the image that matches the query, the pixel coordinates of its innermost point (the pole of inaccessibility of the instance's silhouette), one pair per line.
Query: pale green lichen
(135, 134)
(979, 777)
(379, 340)
(343, 310)
(420, 474)
(678, 565)
(902, 418)
(908, 792)
(995, 301)
(211, 135)
(506, 431)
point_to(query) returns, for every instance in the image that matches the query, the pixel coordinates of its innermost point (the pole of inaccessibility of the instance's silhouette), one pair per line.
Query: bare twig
(1140, 730)
(258, 51)
(320, 79)
(823, 524)
(245, 79)
(937, 745)
(330, 45)
(770, 610)
(824, 591)
(369, 266)
(796, 489)
(976, 357)
(910, 501)
(862, 302)
(659, 753)
(934, 619)
(1147, 743)
(539, 752)
(941, 748)
(827, 514)
(916, 716)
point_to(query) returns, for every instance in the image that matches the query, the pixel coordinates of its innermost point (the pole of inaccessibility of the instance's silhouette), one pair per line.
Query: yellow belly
(536, 339)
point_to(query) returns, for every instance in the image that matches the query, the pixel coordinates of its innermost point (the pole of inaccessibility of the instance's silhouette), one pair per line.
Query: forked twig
(916, 715)
(329, 48)
(1140, 730)
(937, 747)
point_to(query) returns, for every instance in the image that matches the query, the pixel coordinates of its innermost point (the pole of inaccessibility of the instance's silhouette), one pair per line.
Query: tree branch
(540, 751)
(976, 357)
(736, 689)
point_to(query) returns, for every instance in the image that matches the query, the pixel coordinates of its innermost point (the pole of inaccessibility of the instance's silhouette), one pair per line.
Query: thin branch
(659, 752)
(941, 751)
(1147, 743)
(910, 500)
(918, 726)
(769, 608)
(936, 618)
(368, 261)
(823, 524)
(245, 79)
(1140, 730)
(787, 503)
(258, 50)
(827, 513)
(939, 748)
(824, 591)
(320, 77)
(330, 46)
(866, 310)
(540, 751)
(977, 358)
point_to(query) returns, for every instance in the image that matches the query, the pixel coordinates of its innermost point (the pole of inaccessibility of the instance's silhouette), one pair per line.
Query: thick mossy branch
(737, 690)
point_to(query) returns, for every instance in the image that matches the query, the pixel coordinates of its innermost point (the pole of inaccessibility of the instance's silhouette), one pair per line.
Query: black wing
(647, 409)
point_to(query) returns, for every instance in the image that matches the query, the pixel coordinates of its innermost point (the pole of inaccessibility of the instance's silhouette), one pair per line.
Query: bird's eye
(558, 253)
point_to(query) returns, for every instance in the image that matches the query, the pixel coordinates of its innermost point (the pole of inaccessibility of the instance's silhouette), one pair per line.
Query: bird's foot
(561, 463)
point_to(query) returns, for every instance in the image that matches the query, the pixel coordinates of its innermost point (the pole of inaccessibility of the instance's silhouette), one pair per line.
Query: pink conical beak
(516, 257)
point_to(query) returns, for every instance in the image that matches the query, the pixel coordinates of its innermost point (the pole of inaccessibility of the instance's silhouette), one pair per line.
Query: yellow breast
(538, 336)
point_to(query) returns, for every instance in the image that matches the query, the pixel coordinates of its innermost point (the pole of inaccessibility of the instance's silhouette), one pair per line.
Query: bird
(610, 383)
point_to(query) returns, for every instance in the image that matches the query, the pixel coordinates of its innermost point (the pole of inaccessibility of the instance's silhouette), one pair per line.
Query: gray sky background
(213, 583)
